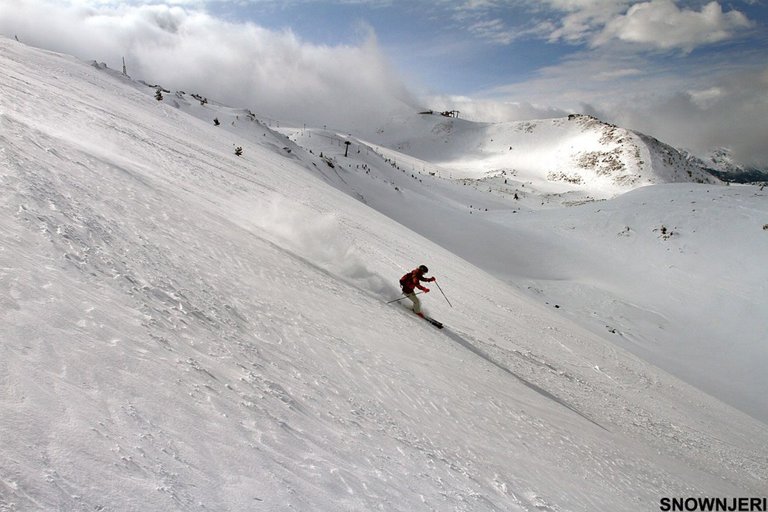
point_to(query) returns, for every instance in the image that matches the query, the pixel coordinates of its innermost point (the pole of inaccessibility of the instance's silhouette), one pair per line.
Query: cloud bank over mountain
(243, 64)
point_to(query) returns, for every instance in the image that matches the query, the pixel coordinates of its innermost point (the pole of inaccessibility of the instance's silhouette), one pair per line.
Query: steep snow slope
(184, 329)
(609, 261)
(671, 272)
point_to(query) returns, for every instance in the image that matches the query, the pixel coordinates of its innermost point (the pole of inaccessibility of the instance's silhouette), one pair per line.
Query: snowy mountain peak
(720, 162)
(561, 161)
(577, 156)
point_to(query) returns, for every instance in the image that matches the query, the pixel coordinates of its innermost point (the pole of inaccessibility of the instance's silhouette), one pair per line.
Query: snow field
(185, 329)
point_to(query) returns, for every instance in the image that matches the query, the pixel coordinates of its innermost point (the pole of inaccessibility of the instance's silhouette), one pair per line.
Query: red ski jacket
(412, 280)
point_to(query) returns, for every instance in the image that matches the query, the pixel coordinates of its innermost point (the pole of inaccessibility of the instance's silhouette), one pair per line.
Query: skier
(412, 280)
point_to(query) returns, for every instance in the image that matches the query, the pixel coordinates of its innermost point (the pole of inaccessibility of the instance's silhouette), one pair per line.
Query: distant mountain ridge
(721, 163)
(579, 152)
(571, 159)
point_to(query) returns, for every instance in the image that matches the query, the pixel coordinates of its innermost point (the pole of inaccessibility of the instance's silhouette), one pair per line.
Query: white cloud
(652, 23)
(732, 112)
(493, 111)
(705, 98)
(614, 74)
(696, 105)
(583, 17)
(493, 30)
(241, 64)
(662, 24)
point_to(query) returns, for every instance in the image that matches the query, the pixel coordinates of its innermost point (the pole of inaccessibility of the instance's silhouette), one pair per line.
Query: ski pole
(441, 291)
(401, 298)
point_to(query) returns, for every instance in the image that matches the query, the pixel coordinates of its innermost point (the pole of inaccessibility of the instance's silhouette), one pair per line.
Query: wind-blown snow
(186, 329)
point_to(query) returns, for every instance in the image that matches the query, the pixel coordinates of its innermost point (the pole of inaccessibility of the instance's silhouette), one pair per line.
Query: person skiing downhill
(412, 280)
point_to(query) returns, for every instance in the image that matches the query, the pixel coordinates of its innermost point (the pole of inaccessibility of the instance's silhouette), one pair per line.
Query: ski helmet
(423, 268)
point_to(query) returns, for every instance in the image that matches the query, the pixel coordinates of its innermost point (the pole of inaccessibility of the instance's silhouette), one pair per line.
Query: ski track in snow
(466, 344)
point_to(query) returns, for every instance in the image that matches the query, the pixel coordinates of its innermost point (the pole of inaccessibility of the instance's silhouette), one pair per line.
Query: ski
(434, 322)
(431, 320)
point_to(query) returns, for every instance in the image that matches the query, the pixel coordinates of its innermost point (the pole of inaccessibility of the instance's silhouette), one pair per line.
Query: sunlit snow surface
(185, 329)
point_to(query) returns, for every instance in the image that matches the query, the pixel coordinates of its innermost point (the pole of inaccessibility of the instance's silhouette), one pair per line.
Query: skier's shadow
(469, 346)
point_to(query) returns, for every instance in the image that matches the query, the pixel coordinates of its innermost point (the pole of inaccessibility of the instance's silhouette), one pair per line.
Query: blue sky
(692, 73)
(467, 47)
(425, 40)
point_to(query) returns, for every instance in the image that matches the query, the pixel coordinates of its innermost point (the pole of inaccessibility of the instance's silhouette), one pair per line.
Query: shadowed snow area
(187, 329)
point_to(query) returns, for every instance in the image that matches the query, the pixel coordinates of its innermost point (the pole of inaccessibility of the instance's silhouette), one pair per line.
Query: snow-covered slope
(186, 329)
(704, 321)
(578, 155)
(671, 272)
